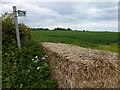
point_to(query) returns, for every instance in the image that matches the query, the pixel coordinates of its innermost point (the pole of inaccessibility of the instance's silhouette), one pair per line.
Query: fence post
(16, 26)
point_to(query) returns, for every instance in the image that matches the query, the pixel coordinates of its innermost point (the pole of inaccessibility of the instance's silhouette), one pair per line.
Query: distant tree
(40, 28)
(69, 29)
(57, 28)
(46, 29)
(33, 29)
(63, 29)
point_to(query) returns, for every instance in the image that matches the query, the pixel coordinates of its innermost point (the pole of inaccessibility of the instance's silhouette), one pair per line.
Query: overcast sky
(99, 16)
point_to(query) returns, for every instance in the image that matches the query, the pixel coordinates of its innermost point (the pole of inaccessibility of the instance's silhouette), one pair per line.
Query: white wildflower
(28, 70)
(32, 59)
(36, 56)
(35, 61)
(43, 58)
(46, 64)
(38, 68)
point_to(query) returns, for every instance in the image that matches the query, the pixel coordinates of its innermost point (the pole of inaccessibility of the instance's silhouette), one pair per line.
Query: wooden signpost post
(20, 13)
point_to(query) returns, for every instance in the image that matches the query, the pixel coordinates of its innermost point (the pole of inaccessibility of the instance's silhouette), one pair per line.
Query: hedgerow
(26, 67)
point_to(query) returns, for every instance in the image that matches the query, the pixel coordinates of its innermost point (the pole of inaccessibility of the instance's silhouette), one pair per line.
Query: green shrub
(24, 31)
(8, 29)
(25, 67)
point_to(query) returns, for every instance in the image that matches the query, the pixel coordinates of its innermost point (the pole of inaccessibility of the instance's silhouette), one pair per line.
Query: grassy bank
(95, 40)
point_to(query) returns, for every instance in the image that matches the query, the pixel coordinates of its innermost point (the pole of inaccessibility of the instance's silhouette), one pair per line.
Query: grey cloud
(103, 5)
(64, 8)
(77, 15)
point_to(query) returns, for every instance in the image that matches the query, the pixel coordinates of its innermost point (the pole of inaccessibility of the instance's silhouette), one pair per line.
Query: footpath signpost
(20, 13)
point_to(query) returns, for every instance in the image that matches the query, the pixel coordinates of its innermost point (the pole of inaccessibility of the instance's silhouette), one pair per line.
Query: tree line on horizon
(56, 29)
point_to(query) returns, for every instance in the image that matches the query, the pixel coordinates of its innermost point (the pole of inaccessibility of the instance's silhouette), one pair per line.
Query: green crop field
(95, 40)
